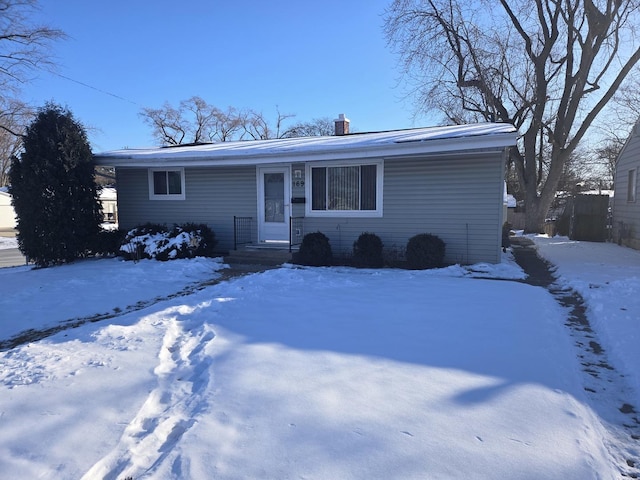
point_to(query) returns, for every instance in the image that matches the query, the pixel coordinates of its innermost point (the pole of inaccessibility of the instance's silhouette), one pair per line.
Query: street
(11, 257)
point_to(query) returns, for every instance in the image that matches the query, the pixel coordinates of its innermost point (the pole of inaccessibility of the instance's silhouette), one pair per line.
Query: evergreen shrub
(158, 242)
(425, 251)
(108, 242)
(367, 251)
(315, 250)
(53, 190)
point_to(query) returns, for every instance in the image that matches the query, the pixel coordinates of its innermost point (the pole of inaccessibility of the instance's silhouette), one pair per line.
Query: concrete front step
(258, 256)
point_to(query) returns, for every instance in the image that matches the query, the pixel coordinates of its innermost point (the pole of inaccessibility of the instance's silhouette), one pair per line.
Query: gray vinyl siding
(626, 215)
(458, 199)
(212, 196)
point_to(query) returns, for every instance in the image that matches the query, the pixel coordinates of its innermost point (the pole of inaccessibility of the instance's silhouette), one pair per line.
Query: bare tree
(318, 127)
(257, 127)
(167, 123)
(23, 45)
(549, 67)
(195, 121)
(14, 116)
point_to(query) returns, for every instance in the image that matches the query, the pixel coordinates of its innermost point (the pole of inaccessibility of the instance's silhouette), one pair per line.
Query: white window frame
(632, 186)
(309, 212)
(166, 196)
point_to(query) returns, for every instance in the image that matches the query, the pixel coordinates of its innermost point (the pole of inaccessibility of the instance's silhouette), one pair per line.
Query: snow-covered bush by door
(161, 243)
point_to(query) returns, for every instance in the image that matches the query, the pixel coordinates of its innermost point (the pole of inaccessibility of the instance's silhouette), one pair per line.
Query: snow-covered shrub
(205, 243)
(159, 242)
(425, 251)
(315, 250)
(367, 251)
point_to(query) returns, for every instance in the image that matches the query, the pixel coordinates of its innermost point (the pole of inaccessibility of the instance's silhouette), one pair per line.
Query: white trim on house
(166, 196)
(309, 212)
(400, 143)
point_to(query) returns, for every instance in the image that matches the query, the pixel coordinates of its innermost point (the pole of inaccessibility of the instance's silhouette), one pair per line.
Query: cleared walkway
(602, 382)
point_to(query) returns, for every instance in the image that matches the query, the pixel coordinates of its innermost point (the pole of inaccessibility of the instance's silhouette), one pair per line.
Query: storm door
(273, 204)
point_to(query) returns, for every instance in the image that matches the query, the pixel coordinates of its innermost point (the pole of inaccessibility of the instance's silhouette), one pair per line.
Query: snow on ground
(294, 373)
(8, 242)
(33, 299)
(608, 278)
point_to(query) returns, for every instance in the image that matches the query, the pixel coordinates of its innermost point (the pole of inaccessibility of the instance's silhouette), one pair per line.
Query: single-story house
(626, 205)
(7, 213)
(447, 181)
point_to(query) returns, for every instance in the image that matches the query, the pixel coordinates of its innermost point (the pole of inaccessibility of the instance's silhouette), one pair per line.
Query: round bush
(425, 251)
(315, 250)
(367, 251)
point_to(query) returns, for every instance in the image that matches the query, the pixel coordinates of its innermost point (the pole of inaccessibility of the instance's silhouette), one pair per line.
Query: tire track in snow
(171, 409)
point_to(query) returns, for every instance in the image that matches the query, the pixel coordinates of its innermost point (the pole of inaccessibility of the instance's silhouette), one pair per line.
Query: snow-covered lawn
(299, 373)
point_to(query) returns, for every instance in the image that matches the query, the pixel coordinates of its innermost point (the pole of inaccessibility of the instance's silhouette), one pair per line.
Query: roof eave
(392, 150)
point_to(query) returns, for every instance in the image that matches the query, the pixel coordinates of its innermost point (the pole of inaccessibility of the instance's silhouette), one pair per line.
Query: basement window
(166, 184)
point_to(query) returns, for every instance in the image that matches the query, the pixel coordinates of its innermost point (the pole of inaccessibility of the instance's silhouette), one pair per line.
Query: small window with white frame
(345, 190)
(632, 186)
(166, 184)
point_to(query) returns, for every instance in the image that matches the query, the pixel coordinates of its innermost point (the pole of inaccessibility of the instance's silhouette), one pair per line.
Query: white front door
(273, 204)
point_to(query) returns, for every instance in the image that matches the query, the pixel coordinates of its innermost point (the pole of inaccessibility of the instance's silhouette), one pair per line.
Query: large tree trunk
(537, 205)
(535, 214)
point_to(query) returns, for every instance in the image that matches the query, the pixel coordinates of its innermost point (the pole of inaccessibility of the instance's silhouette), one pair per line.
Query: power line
(92, 87)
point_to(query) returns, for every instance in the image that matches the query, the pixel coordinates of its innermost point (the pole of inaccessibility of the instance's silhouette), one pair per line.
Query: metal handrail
(242, 231)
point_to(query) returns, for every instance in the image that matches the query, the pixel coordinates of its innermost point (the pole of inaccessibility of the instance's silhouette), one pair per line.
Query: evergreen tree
(54, 191)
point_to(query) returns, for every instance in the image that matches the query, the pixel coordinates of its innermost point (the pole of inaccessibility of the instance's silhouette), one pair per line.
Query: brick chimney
(342, 125)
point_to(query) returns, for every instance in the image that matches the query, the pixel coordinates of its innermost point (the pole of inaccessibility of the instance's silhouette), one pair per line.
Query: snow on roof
(108, 193)
(415, 141)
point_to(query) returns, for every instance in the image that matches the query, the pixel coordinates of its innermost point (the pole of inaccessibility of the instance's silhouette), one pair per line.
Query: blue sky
(312, 59)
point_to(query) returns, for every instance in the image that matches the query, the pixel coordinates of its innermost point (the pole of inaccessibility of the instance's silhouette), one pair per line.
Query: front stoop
(265, 255)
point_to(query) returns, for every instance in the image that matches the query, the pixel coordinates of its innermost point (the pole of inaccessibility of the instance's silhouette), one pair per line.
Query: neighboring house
(447, 181)
(626, 205)
(109, 201)
(7, 213)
